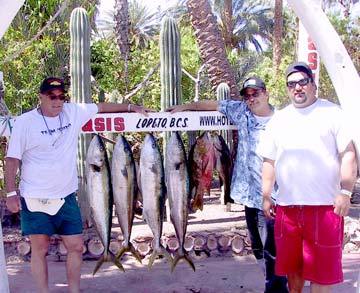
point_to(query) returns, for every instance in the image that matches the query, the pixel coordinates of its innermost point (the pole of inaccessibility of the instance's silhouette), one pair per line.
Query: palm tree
(122, 31)
(142, 24)
(212, 46)
(244, 23)
(278, 30)
(346, 4)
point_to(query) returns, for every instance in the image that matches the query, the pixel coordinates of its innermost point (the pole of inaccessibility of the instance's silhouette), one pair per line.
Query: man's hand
(141, 110)
(175, 109)
(13, 203)
(341, 205)
(268, 206)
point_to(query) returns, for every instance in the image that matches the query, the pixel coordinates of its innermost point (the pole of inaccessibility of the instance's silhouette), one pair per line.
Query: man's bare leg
(74, 247)
(296, 283)
(39, 268)
(316, 288)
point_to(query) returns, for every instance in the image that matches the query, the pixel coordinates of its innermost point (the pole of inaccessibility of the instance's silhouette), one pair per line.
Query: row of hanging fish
(120, 188)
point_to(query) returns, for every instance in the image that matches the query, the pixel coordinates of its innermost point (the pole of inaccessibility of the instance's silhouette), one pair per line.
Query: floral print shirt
(246, 179)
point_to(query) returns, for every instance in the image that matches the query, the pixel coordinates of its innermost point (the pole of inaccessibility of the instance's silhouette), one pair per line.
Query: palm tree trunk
(278, 28)
(212, 47)
(122, 31)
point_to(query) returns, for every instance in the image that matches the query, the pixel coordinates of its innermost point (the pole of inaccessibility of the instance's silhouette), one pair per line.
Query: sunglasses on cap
(61, 97)
(302, 82)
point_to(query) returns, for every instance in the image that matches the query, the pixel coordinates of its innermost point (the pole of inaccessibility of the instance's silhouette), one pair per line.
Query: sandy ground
(219, 272)
(213, 274)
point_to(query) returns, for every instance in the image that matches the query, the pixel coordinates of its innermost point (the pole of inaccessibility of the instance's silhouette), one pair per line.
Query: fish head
(175, 151)
(122, 149)
(150, 145)
(96, 155)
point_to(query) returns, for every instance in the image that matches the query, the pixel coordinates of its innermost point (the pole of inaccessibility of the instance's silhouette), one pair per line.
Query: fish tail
(109, 256)
(198, 202)
(135, 253)
(129, 248)
(181, 254)
(157, 252)
(122, 250)
(99, 264)
(116, 261)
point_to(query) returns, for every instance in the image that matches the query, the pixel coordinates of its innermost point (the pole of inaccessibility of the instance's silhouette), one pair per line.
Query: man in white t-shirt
(308, 149)
(45, 141)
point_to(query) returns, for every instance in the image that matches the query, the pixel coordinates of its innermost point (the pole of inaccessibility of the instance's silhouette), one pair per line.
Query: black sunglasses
(255, 95)
(61, 97)
(302, 82)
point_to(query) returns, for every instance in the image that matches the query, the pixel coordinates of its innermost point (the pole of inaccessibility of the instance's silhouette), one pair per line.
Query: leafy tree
(244, 23)
(27, 60)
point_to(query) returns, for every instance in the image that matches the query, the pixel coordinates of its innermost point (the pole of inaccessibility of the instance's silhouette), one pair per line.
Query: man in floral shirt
(250, 116)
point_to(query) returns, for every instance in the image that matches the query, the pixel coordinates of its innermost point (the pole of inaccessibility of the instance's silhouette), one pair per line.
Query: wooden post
(4, 282)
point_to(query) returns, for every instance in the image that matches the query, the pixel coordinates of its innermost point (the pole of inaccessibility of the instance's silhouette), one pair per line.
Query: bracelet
(346, 192)
(129, 107)
(11, 193)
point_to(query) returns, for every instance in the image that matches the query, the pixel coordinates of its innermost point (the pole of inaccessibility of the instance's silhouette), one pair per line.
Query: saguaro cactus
(170, 68)
(80, 75)
(223, 93)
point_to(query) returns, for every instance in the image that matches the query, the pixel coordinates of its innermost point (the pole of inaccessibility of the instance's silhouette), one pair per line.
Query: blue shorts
(67, 221)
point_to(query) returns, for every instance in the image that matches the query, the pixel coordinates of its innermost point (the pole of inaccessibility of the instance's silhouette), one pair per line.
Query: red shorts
(309, 240)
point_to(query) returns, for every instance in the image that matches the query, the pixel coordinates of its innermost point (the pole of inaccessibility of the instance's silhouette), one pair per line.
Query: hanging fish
(201, 166)
(99, 193)
(153, 191)
(177, 183)
(223, 164)
(124, 184)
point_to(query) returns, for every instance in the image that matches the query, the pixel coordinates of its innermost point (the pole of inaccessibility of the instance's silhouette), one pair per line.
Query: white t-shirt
(305, 144)
(49, 162)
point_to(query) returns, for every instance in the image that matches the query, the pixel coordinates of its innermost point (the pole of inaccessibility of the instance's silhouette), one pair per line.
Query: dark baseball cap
(52, 83)
(299, 67)
(253, 83)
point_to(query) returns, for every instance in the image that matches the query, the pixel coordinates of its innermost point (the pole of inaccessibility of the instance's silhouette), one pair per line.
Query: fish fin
(99, 264)
(130, 248)
(116, 261)
(122, 250)
(181, 254)
(198, 203)
(160, 251)
(109, 256)
(135, 253)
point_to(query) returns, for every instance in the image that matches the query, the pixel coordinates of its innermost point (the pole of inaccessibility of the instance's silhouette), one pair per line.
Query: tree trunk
(122, 31)
(212, 47)
(278, 28)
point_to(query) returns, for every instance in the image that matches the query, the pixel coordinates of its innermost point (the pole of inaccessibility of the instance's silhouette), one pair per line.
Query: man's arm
(11, 168)
(204, 105)
(348, 174)
(268, 181)
(115, 108)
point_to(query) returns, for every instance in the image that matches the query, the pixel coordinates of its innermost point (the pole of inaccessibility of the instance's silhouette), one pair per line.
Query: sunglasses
(254, 95)
(61, 97)
(302, 82)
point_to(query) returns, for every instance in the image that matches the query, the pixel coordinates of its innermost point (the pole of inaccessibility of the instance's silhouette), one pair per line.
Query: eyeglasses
(302, 82)
(61, 97)
(254, 95)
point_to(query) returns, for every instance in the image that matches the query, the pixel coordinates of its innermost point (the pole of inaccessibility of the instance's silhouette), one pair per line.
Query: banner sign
(308, 53)
(134, 122)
